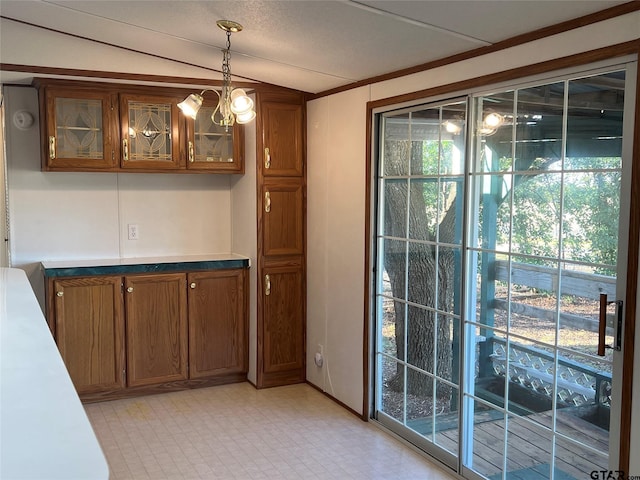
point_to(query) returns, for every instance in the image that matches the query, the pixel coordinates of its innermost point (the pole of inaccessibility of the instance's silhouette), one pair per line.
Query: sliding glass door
(420, 265)
(500, 257)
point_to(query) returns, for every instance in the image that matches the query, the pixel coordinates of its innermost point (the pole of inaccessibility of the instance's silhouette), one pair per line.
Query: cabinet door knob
(267, 158)
(267, 202)
(125, 149)
(193, 285)
(52, 147)
(129, 289)
(60, 294)
(267, 285)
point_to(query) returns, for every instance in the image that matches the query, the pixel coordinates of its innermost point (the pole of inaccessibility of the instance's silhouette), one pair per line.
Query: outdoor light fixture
(490, 123)
(493, 120)
(234, 105)
(453, 127)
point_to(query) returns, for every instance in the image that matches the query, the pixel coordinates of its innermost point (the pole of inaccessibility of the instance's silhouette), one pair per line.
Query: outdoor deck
(530, 449)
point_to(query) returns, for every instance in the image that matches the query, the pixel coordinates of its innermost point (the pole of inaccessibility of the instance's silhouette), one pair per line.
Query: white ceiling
(309, 45)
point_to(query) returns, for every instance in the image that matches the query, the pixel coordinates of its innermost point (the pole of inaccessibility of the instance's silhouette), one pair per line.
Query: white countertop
(44, 431)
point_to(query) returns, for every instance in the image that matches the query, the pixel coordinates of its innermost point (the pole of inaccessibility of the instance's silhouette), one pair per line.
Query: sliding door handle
(602, 325)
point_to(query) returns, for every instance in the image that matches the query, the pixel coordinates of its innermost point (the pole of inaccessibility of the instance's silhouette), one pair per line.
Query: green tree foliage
(571, 215)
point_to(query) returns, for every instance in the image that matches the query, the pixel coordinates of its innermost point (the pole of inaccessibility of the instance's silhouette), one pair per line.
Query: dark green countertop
(124, 266)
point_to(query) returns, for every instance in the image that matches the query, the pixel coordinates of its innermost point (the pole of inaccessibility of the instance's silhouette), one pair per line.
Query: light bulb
(191, 105)
(452, 127)
(240, 102)
(245, 117)
(493, 120)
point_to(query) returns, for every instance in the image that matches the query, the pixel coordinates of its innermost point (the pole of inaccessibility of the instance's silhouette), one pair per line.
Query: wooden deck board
(565, 454)
(576, 428)
(530, 448)
(449, 442)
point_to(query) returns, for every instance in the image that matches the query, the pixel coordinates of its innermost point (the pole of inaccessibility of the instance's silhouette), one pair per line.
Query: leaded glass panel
(150, 131)
(213, 143)
(79, 128)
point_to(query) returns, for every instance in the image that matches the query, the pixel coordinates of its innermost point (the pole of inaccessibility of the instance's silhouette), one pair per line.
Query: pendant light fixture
(234, 105)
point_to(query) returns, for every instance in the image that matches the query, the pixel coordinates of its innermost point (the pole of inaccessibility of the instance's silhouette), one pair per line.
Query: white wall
(336, 182)
(61, 216)
(244, 233)
(335, 232)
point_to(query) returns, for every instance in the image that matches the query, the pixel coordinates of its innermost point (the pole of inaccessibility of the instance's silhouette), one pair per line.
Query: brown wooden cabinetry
(132, 334)
(281, 240)
(282, 134)
(150, 132)
(282, 359)
(213, 147)
(89, 331)
(78, 129)
(283, 222)
(218, 331)
(156, 312)
(108, 127)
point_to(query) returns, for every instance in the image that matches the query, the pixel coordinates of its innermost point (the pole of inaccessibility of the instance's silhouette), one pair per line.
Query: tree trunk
(428, 337)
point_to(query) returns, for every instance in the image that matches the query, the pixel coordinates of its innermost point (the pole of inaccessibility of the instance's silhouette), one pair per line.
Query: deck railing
(579, 284)
(577, 383)
(533, 368)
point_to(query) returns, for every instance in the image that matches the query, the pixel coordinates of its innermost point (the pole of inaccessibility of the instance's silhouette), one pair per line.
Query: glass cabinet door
(214, 147)
(150, 132)
(79, 130)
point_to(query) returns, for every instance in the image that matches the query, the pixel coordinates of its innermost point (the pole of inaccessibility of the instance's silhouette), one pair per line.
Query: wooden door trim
(631, 292)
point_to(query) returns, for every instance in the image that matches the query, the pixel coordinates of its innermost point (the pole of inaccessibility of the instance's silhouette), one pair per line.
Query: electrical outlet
(133, 231)
(318, 358)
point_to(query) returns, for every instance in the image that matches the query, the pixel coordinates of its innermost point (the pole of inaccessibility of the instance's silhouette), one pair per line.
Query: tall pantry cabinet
(281, 200)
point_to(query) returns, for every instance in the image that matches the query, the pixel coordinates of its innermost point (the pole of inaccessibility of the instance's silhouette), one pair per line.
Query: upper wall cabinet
(150, 132)
(283, 140)
(78, 129)
(213, 147)
(104, 127)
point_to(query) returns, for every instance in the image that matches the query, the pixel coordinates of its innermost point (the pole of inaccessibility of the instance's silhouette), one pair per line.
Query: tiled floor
(238, 432)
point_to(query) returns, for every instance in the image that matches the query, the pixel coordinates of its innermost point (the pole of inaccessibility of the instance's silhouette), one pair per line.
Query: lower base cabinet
(282, 325)
(218, 334)
(136, 334)
(156, 321)
(87, 318)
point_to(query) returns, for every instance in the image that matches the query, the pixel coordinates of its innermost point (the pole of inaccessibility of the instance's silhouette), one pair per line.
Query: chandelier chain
(226, 57)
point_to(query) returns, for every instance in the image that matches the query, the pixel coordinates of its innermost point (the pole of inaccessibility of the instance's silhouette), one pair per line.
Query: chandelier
(234, 105)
